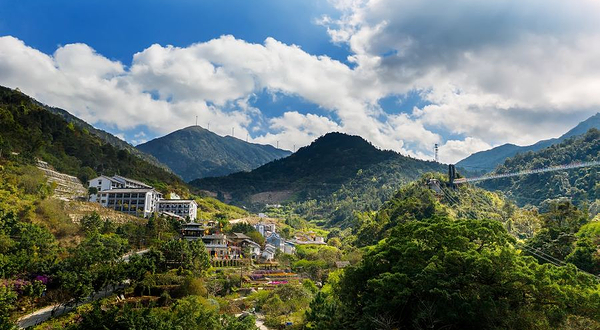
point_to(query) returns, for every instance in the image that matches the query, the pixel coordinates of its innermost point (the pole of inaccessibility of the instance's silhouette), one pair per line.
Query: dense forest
(580, 185)
(328, 180)
(457, 261)
(29, 131)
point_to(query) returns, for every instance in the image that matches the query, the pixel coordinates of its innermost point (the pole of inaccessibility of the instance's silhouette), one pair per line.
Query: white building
(253, 247)
(269, 252)
(103, 183)
(265, 228)
(130, 183)
(137, 201)
(181, 207)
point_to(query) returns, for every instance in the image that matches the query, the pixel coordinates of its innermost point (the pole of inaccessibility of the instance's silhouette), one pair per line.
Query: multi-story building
(181, 207)
(136, 201)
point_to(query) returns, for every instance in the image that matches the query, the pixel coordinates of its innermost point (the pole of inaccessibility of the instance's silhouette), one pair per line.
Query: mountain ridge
(579, 185)
(488, 160)
(195, 152)
(329, 179)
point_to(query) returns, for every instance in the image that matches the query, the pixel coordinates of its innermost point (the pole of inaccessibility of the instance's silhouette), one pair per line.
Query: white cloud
(490, 71)
(454, 150)
(496, 70)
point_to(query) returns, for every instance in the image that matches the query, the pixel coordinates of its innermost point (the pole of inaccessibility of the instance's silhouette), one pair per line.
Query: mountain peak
(195, 152)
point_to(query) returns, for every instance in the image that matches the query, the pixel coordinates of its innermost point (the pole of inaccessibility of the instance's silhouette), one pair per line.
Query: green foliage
(34, 132)
(560, 224)
(330, 179)
(285, 303)
(184, 254)
(462, 274)
(212, 209)
(192, 312)
(91, 223)
(580, 185)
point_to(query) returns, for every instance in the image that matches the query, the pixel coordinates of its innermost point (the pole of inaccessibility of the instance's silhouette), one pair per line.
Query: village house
(216, 246)
(269, 252)
(192, 230)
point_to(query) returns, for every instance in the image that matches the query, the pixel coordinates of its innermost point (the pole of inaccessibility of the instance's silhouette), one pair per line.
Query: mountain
(29, 130)
(329, 179)
(195, 152)
(580, 185)
(486, 161)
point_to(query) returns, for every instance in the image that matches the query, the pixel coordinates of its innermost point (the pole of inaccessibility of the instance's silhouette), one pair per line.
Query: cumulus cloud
(497, 70)
(489, 72)
(454, 150)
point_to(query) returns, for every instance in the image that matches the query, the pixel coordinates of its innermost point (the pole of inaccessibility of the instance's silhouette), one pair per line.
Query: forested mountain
(32, 131)
(486, 161)
(105, 136)
(195, 152)
(329, 179)
(580, 184)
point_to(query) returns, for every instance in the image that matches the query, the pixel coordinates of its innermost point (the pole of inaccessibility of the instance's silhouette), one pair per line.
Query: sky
(403, 74)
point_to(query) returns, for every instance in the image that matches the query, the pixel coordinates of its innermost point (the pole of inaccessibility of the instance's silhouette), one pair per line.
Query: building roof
(239, 236)
(104, 177)
(177, 201)
(117, 177)
(214, 236)
(251, 242)
(126, 190)
(172, 215)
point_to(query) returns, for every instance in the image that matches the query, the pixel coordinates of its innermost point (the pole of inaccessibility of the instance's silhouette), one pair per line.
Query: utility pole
(277, 144)
(233, 131)
(196, 120)
(294, 148)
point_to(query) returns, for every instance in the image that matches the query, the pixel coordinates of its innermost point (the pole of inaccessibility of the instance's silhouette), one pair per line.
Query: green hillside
(330, 179)
(29, 131)
(580, 184)
(195, 152)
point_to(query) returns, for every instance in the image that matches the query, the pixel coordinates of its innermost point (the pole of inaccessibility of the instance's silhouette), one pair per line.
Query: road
(43, 314)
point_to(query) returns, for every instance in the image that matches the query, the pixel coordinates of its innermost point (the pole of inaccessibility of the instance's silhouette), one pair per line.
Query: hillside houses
(137, 198)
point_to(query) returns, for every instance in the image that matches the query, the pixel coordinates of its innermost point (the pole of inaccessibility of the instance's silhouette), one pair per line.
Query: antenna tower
(435, 153)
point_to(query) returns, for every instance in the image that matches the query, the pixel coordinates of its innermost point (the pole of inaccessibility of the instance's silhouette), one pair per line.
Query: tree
(463, 274)
(91, 223)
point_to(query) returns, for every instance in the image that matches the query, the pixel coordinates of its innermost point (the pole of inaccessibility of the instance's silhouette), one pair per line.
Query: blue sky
(118, 29)
(404, 74)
